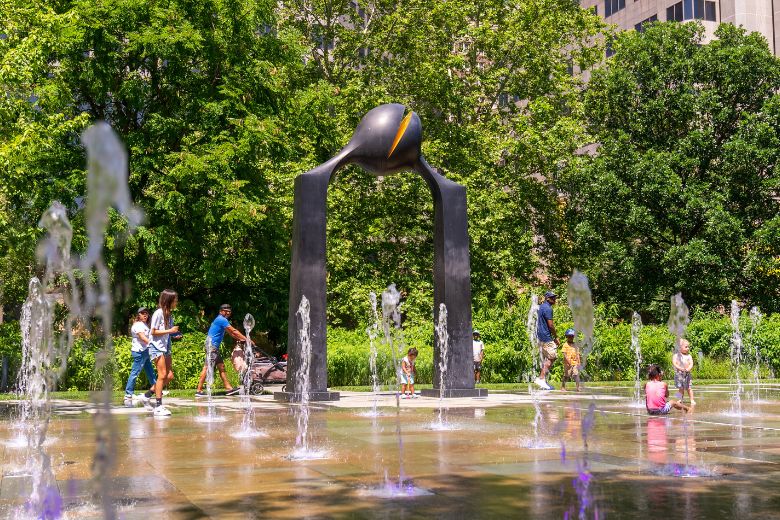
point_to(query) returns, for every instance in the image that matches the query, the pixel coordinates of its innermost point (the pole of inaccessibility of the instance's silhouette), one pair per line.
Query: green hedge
(507, 351)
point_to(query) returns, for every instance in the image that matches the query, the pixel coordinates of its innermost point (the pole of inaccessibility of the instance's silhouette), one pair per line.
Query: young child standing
(408, 372)
(571, 360)
(657, 399)
(683, 364)
(141, 334)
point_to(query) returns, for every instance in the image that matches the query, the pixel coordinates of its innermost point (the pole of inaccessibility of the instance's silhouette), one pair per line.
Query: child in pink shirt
(657, 394)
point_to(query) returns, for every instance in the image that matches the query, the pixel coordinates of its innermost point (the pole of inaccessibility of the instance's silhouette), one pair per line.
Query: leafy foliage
(682, 194)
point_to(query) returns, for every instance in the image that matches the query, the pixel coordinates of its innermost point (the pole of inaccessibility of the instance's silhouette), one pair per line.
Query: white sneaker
(128, 401)
(161, 411)
(541, 383)
(415, 396)
(147, 402)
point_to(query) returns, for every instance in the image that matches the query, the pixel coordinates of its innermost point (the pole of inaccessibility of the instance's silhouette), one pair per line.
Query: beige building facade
(762, 16)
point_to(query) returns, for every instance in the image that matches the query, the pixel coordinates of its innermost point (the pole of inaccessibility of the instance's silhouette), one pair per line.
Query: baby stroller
(265, 369)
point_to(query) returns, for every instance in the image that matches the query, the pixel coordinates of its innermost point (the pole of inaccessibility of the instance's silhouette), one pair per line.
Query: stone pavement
(487, 463)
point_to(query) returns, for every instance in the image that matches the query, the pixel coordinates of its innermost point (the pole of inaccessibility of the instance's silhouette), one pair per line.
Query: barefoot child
(683, 364)
(407, 377)
(657, 399)
(571, 360)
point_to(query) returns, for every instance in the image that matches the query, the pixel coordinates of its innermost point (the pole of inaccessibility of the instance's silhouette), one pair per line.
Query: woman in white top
(140, 352)
(159, 347)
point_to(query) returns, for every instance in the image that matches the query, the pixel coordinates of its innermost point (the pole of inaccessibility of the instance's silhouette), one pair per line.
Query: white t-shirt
(160, 341)
(478, 347)
(408, 362)
(137, 328)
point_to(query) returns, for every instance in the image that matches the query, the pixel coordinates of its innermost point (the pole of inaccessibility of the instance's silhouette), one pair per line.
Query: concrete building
(762, 16)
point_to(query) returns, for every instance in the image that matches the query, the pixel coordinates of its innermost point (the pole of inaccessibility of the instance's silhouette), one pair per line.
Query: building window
(691, 10)
(641, 25)
(709, 12)
(609, 51)
(613, 6)
(674, 13)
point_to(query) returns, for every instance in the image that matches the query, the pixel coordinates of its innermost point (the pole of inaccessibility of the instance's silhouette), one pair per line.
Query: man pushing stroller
(219, 327)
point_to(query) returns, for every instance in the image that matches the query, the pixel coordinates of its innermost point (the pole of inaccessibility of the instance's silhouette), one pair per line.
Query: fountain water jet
(373, 333)
(636, 346)
(302, 449)
(735, 353)
(581, 305)
(248, 429)
(442, 337)
(391, 327)
(755, 321)
(211, 412)
(530, 330)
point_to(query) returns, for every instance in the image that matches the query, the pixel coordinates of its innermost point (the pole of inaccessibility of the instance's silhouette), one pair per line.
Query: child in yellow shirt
(571, 360)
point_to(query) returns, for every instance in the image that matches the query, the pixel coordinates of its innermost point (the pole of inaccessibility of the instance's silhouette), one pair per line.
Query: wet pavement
(485, 462)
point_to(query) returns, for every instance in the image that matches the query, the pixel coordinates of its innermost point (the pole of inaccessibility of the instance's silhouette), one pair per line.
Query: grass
(84, 395)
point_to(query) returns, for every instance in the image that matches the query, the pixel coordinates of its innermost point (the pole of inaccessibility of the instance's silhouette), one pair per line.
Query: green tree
(492, 84)
(682, 194)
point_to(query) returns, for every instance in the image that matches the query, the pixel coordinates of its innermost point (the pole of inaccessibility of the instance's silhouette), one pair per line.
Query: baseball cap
(475, 332)
(570, 332)
(550, 294)
(142, 309)
(225, 307)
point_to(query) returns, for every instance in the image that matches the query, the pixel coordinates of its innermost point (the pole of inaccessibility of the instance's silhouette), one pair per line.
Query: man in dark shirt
(547, 338)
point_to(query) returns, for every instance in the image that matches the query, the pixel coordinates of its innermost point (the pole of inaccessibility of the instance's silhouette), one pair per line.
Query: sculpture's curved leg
(451, 282)
(308, 278)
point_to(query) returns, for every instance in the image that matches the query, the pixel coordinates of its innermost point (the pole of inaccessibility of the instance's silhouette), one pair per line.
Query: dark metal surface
(386, 141)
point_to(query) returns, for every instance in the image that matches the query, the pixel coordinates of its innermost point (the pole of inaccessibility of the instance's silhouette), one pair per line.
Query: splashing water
(530, 330)
(302, 449)
(581, 305)
(755, 322)
(36, 381)
(735, 353)
(679, 317)
(373, 333)
(443, 340)
(211, 412)
(391, 325)
(248, 429)
(107, 187)
(636, 346)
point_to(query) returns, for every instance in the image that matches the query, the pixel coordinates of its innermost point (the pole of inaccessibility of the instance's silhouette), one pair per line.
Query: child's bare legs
(678, 405)
(411, 389)
(690, 395)
(577, 380)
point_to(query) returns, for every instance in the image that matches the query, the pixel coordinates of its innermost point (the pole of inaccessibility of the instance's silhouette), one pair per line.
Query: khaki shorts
(549, 350)
(571, 370)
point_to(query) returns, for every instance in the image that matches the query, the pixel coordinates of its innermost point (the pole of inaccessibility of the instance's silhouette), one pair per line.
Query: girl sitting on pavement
(657, 399)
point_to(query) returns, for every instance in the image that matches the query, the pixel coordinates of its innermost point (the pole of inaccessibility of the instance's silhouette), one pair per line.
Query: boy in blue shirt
(219, 326)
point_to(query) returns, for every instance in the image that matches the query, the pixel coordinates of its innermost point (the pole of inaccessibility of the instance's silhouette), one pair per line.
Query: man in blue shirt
(219, 326)
(547, 338)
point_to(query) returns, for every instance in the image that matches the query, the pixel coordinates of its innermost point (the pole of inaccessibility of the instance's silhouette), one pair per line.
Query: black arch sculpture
(386, 141)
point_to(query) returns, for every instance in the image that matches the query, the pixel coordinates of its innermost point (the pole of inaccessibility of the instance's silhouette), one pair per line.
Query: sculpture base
(290, 397)
(455, 392)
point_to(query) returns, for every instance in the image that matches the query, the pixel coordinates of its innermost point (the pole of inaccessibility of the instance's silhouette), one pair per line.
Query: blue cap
(550, 294)
(570, 332)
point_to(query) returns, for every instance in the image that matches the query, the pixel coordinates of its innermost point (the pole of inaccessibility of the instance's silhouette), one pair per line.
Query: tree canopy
(221, 103)
(682, 194)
